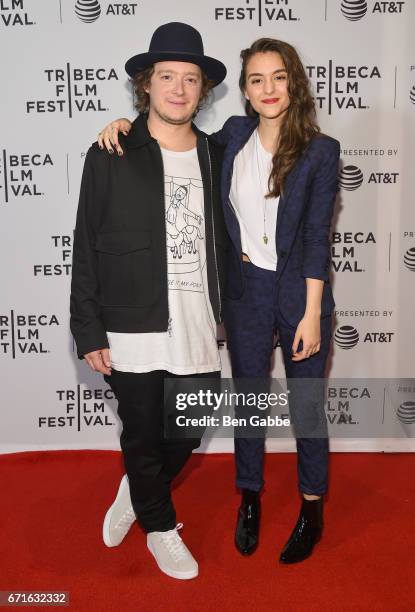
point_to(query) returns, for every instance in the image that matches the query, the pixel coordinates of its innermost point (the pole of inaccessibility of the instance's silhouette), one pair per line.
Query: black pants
(151, 460)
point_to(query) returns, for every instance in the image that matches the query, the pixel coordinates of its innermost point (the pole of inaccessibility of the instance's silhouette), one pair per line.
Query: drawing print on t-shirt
(185, 229)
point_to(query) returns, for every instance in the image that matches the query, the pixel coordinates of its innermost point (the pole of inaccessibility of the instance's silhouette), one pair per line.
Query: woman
(279, 184)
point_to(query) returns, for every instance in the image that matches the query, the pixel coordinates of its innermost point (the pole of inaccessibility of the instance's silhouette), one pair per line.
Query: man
(139, 312)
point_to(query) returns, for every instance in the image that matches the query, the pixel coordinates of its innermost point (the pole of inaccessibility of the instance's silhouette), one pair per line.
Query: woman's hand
(109, 135)
(308, 330)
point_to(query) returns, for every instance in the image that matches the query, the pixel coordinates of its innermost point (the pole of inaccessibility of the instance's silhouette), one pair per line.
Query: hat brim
(214, 69)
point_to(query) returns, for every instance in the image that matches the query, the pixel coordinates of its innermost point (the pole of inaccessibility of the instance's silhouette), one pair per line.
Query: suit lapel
(289, 185)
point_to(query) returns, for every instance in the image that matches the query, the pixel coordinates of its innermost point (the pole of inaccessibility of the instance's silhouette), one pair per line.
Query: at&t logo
(351, 178)
(347, 337)
(406, 412)
(354, 10)
(409, 259)
(406, 416)
(89, 11)
(412, 94)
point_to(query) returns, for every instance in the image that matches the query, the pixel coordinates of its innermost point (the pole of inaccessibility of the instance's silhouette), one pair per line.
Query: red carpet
(53, 504)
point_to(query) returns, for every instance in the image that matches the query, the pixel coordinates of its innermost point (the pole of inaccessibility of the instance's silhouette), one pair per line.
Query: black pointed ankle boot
(247, 526)
(306, 533)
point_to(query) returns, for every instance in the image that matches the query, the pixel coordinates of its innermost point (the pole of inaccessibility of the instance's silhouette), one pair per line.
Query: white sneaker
(171, 554)
(119, 517)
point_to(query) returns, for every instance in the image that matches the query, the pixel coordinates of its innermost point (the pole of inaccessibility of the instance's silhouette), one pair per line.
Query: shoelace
(174, 543)
(126, 519)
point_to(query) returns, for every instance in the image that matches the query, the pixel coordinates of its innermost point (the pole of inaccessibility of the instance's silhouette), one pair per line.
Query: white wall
(63, 79)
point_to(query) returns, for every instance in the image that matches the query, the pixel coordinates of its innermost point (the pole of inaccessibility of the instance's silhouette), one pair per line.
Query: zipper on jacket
(165, 235)
(231, 206)
(213, 230)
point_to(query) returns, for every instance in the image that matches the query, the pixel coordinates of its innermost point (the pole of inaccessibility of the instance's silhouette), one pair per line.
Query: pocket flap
(119, 243)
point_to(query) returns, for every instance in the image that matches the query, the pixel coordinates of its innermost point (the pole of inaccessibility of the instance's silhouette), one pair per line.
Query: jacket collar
(139, 134)
(245, 131)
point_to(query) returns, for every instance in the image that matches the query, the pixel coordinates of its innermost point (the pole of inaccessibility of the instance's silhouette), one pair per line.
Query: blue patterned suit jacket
(303, 221)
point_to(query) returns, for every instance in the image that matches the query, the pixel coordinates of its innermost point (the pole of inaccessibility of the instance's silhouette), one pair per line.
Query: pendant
(265, 239)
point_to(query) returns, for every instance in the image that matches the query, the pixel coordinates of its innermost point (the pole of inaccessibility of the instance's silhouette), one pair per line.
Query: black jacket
(119, 272)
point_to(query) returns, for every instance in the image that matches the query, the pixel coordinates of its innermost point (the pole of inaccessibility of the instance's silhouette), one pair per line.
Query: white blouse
(256, 215)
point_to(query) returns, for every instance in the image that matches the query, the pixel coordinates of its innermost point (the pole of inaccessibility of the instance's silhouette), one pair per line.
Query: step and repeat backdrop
(62, 79)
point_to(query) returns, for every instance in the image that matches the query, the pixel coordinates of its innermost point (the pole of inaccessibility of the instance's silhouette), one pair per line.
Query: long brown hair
(299, 123)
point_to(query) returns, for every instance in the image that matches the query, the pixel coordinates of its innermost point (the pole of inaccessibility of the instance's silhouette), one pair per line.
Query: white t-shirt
(189, 345)
(256, 215)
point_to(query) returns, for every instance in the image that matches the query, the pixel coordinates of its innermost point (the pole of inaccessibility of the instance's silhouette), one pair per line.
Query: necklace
(261, 181)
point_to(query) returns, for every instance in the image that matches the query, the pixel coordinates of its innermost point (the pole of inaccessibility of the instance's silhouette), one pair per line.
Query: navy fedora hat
(177, 42)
